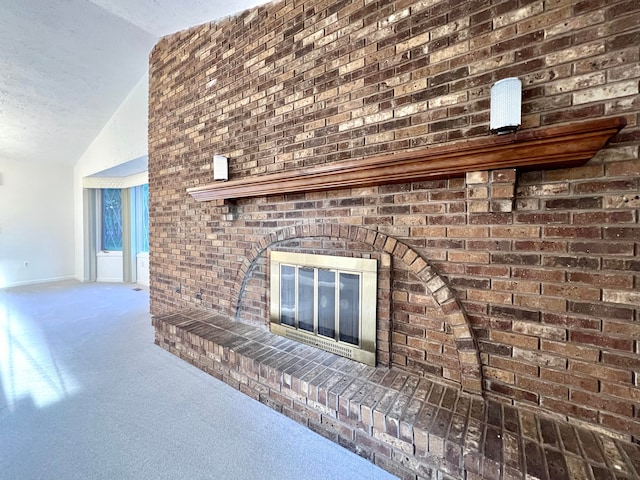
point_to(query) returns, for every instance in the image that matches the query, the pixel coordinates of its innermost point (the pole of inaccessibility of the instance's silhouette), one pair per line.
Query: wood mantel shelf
(547, 147)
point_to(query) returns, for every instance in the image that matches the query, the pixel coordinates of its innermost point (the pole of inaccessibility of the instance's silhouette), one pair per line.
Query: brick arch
(455, 319)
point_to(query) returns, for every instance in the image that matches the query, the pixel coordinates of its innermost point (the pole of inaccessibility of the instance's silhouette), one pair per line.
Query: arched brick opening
(456, 322)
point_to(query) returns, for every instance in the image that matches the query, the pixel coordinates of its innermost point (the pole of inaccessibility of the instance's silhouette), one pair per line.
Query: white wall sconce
(506, 106)
(220, 168)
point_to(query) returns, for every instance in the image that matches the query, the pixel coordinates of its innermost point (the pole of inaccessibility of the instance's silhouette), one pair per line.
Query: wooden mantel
(546, 147)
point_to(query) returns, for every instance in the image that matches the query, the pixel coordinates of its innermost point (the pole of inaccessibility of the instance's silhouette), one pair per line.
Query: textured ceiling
(65, 66)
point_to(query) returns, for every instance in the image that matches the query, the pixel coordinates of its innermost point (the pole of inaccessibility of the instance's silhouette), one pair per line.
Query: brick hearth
(409, 425)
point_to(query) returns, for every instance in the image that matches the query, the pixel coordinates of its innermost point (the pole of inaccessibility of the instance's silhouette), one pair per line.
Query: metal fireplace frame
(365, 268)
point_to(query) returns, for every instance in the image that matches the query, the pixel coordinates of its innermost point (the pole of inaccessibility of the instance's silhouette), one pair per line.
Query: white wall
(123, 139)
(36, 223)
(142, 265)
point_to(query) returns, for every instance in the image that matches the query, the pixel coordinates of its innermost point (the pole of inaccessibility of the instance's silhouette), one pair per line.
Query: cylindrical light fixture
(220, 168)
(506, 105)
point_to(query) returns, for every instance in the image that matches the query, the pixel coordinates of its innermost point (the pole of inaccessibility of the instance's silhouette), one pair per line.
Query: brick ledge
(411, 426)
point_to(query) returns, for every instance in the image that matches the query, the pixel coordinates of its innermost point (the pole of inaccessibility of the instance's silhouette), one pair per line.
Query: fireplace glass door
(325, 301)
(349, 308)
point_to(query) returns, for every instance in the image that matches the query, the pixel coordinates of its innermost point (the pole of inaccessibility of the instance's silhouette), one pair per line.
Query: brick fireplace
(507, 267)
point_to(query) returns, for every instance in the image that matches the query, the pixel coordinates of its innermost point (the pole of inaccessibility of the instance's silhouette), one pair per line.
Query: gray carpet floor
(85, 394)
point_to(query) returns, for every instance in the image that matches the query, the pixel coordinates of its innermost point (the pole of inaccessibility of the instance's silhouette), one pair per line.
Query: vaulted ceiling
(66, 66)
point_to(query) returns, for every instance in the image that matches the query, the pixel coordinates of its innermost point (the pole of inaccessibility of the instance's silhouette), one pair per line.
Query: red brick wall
(551, 288)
